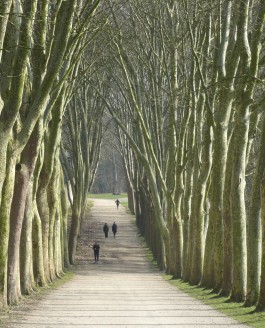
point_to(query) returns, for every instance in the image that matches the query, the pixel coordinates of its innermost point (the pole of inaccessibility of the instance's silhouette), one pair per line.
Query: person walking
(117, 203)
(106, 230)
(114, 229)
(96, 249)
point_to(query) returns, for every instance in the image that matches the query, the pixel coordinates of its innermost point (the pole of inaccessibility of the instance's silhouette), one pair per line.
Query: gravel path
(122, 290)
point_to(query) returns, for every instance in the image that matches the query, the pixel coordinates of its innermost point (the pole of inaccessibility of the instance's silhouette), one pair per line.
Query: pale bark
(38, 256)
(45, 64)
(26, 252)
(5, 225)
(227, 219)
(254, 231)
(261, 302)
(24, 171)
(199, 205)
(74, 231)
(239, 270)
(249, 61)
(53, 195)
(188, 191)
(16, 220)
(64, 213)
(208, 280)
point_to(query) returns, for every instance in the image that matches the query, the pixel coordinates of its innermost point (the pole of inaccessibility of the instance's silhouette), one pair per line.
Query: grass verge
(245, 315)
(237, 311)
(107, 196)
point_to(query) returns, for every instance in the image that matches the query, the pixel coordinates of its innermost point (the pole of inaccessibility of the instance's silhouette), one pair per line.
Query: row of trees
(50, 136)
(183, 82)
(188, 83)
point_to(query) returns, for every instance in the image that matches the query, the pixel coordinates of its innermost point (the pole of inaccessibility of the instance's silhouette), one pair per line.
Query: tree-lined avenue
(123, 290)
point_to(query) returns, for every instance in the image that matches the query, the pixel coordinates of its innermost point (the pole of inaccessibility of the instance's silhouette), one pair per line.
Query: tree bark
(6, 197)
(238, 211)
(261, 303)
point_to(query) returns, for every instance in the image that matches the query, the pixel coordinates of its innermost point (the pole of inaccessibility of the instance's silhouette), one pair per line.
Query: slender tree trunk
(228, 241)
(7, 192)
(73, 234)
(16, 221)
(64, 209)
(38, 257)
(57, 245)
(52, 191)
(254, 230)
(261, 303)
(26, 253)
(43, 210)
(208, 265)
(238, 210)
(200, 203)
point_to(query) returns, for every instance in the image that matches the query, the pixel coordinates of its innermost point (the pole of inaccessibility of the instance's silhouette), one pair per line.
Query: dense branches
(187, 101)
(182, 82)
(46, 41)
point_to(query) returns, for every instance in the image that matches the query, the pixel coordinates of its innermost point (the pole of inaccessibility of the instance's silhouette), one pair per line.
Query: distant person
(96, 249)
(117, 203)
(114, 229)
(106, 230)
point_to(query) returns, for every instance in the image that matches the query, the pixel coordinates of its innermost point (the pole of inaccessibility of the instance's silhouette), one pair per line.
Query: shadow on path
(122, 290)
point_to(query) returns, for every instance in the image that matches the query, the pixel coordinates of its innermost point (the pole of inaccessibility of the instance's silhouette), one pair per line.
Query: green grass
(68, 275)
(40, 291)
(89, 205)
(245, 315)
(235, 310)
(107, 196)
(125, 204)
(148, 253)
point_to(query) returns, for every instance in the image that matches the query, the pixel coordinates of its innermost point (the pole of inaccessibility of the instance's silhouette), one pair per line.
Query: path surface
(123, 290)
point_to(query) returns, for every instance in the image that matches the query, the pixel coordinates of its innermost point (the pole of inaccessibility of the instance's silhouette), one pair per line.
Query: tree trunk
(16, 221)
(64, 210)
(6, 199)
(261, 303)
(187, 201)
(208, 265)
(26, 252)
(38, 257)
(254, 230)
(228, 244)
(43, 210)
(238, 210)
(73, 234)
(24, 171)
(52, 191)
(200, 194)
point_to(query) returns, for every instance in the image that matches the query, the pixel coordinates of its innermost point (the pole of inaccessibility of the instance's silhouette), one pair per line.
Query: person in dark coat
(117, 203)
(106, 230)
(96, 249)
(114, 229)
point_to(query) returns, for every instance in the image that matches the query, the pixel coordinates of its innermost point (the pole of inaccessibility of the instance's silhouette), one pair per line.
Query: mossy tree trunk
(228, 240)
(249, 59)
(5, 225)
